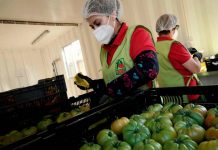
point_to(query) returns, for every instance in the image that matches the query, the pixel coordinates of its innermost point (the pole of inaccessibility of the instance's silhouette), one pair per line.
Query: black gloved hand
(192, 50)
(198, 55)
(83, 82)
(82, 87)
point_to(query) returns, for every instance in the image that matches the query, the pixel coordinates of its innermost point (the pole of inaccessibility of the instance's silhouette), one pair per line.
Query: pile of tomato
(161, 127)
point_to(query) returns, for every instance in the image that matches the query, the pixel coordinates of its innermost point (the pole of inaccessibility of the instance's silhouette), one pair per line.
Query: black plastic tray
(175, 94)
(23, 107)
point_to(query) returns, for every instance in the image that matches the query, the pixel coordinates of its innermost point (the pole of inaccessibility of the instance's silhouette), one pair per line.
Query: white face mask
(175, 35)
(104, 33)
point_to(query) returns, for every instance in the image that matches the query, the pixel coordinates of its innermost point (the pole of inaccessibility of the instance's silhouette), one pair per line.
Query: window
(73, 59)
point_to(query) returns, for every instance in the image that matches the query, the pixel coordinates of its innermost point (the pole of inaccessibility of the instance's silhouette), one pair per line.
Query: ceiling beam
(37, 23)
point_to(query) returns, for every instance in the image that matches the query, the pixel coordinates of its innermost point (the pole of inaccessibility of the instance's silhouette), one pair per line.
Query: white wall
(20, 68)
(198, 19)
(202, 23)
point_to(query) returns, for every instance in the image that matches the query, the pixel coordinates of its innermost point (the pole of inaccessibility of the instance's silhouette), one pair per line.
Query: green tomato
(29, 131)
(43, 124)
(212, 117)
(171, 107)
(188, 116)
(164, 114)
(182, 142)
(138, 118)
(155, 108)
(11, 137)
(196, 108)
(213, 111)
(158, 121)
(90, 146)
(208, 145)
(177, 118)
(147, 144)
(194, 131)
(116, 145)
(75, 112)
(148, 114)
(105, 135)
(135, 132)
(163, 134)
(63, 117)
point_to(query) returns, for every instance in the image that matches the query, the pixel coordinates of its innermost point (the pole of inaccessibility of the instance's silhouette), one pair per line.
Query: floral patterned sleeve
(145, 69)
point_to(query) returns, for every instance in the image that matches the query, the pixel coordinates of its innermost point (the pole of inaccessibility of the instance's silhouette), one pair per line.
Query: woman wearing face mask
(177, 65)
(127, 56)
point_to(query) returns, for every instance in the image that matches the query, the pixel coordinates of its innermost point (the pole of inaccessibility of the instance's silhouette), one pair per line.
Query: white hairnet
(166, 22)
(102, 7)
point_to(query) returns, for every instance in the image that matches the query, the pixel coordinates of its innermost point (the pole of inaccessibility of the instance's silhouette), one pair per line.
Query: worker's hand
(192, 50)
(198, 55)
(83, 82)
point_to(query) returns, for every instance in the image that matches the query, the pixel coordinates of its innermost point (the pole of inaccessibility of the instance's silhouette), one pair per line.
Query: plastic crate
(35, 115)
(212, 64)
(6, 98)
(23, 95)
(25, 106)
(175, 94)
(92, 98)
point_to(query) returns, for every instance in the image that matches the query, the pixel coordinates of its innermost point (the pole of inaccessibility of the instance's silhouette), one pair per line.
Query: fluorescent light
(38, 38)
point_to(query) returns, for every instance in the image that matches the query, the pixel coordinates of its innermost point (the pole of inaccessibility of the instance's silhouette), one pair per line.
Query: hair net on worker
(102, 7)
(166, 22)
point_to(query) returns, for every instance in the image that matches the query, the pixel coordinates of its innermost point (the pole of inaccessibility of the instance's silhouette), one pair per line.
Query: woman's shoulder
(141, 28)
(176, 44)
